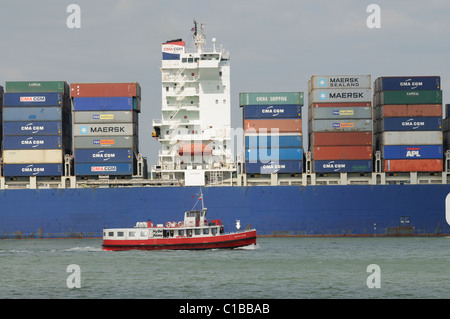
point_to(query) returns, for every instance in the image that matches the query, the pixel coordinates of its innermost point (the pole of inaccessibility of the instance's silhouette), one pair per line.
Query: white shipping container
(91, 129)
(339, 95)
(410, 138)
(340, 82)
(32, 156)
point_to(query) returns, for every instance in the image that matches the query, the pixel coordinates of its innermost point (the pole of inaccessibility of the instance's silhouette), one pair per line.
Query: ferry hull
(351, 210)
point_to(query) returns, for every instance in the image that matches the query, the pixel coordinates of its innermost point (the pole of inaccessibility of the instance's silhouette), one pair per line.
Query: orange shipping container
(413, 165)
(283, 125)
(342, 153)
(340, 138)
(407, 110)
(132, 89)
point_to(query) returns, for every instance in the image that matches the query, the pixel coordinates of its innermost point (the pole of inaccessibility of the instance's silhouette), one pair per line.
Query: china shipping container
(32, 128)
(104, 117)
(409, 97)
(340, 125)
(132, 89)
(273, 126)
(106, 142)
(274, 140)
(273, 154)
(272, 167)
(46, 113)
(33, 99)
(272, 111)
(341, 104)
(408, 110)
(339, 82)
(412, 151)
(408, 138)
(106, 104)
(33, 142)
(348, 166)
(37, 86)
(116, 155)
(10, 170)
(409, 124)
(341, 152)
(325, 113)
(32, 156)
(113, 129)
(340, 138)
(339, 95)
(413, 165)
(398, 83)
(104, 169)
(267, 98)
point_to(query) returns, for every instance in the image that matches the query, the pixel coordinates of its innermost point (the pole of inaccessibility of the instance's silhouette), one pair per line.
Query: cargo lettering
(412, 85)
(32, 142)
(344, 82)
(107, 129)
(103, 168)
(103, 155)
(343, 125)
(33, 169)
(32, 128)
(340, 95)
(32, 99)
(272, 99)
(415, 125)
(274, 166)
(333, 165)
(412, 152)
(272, 111)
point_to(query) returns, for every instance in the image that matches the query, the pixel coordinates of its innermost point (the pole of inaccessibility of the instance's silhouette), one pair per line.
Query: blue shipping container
(411, 124)
(50, 113)
(32, 142)
(31, 128)
(273, 154)
(276, 141)
(32, 99)
(272, 111)
(116, 155)
(105, 104)
(408, 83)
(104, 169)
(413, 151)
(10, 170)
(273, 167)
(349, 166)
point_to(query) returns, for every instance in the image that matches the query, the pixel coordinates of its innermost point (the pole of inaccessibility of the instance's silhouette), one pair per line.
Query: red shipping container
(340, 138)
(407, 110)
(342, 153)
(132, 89)
(283, 125)
(413, 165)
(348, 104)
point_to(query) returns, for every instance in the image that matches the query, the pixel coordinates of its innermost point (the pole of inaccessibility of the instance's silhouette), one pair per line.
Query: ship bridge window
(111, 234)
(197, 232)
(131, 234)
(214, 231)
(120, 233)
(190, 60)
(205, 231)
(184, 60)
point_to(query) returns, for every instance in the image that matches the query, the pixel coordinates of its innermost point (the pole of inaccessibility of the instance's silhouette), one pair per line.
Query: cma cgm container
(339, 82)
(268, 98)
(32, 99)
(272, 111)
(116, 155)
(106, 104)
(410, 124)
(274, 167)
(32, 142)
(32, 128)
(349, 166)
(32, 169)
(82, 169)
(407, 83)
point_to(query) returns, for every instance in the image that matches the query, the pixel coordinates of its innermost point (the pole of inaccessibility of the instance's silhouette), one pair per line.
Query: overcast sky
(274, 45)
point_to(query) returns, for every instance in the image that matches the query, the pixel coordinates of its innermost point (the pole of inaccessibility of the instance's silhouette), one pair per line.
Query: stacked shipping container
(340, 123)
(37, 128)
(105, 127)
(446, 128)
(408, 123)
(273, 132)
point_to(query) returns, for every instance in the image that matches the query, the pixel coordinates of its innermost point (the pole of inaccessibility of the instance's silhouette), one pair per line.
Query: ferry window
(214, 231)
(220, 73)
(196, 59)
(167, 89)
(184, 60)
(111, 234)
(132, 234)
(205, 231)
(197, 231)
(120, 233)
(190, 60)
(143, 233)
(180, 232)
(104, 234)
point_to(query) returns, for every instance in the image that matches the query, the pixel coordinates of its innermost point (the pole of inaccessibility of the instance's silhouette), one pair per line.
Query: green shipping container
(409, 97)
(36, 86)
(271, 98)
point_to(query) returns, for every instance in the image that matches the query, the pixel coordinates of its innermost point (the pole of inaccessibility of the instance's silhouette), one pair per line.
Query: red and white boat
(195, 232)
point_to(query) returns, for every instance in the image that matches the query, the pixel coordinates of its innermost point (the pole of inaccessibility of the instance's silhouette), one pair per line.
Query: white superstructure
(195, 127)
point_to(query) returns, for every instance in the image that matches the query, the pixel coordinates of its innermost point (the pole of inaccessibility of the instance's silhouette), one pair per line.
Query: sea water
(276, 268)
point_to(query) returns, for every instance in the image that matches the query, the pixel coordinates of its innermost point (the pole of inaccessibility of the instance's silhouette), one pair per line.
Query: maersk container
(132, 89)
(339, 95)
(412, 151)
(32, 156)
(32, 128)
(268, 98)
(340, 82)
(37, 86)
(410, 124)
(273, 154)
(325, 113)
(340, 138)
(413, 165)
(32, 142)
(410, 138)
(274, 140)
(340, 125)
(272, 111)
(106, 142)
(409, 97)
(15, 170)
(341, 152)
(104, 117)
(346, 166)
(116, 155)
(47, 113)
(273, 126)
(33, 99)
(273, 167)
(407, 83)
(120, 129)
(106, 104)
(408, 110)
(104, 169)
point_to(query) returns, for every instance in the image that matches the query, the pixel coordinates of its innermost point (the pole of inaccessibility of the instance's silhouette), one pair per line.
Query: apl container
(274, 140)
(46, 113)
(116, 155)
(33, 99)
(106, 104)
(342, 152)
(408, 110)
(409, 97)
(325, 113)
(104, 117)
(407, 83)
(273, 126)
(32, 142)
(268, 98)
(410, 138)
(273, 154)
(132, 89)
(340, 138)
(340, 125)
(339, 95)
(412, 151)
(32, 169)
(32, 156)
(32, 128)
(272, 167)
(104, 169)
(413, 165)
(410, 124)
(272, 111)
(340, 82)
(349, 166)
(105, 142)
(37, 86)
(120, 129)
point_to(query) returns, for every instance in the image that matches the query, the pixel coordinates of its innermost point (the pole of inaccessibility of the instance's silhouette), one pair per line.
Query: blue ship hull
(382, 210)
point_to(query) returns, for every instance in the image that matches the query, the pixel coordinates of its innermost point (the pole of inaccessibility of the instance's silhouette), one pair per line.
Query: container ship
(369, 159)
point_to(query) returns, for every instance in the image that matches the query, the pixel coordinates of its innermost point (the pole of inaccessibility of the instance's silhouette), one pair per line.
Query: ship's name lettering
(351, 95)
(107, 129)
